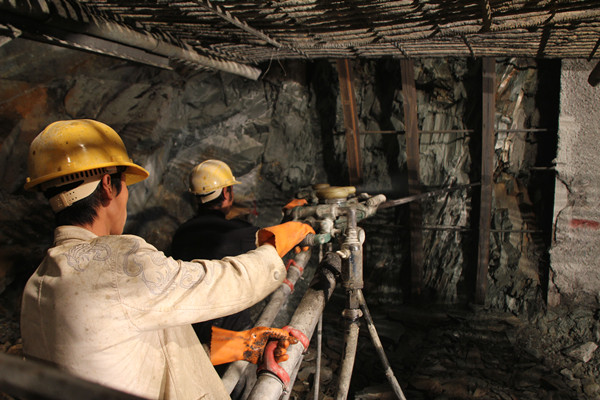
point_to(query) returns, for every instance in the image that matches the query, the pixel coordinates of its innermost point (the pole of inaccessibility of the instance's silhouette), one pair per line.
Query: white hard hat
(208, 179)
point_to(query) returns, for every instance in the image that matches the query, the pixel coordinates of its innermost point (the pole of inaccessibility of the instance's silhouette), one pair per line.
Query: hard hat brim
(133, 174)
(203, 193)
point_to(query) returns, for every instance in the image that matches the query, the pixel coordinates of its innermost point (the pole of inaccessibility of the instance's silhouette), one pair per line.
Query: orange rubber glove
(295, 203)
(228, 346)
(283, 236)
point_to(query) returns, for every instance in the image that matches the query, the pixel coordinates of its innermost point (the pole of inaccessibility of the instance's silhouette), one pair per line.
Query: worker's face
(120, 209)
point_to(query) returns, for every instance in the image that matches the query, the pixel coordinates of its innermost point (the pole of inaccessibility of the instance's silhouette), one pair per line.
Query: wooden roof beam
(411, 117)
(348, 100)
(488, 117)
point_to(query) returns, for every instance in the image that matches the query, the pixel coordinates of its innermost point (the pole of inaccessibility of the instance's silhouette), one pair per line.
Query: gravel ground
(465, 353)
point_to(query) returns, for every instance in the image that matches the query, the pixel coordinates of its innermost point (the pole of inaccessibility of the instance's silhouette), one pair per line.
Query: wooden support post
(350, 121)
(487, 170)
(414, 182)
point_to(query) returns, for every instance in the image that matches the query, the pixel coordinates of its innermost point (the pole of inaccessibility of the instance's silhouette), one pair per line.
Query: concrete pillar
(575, 252)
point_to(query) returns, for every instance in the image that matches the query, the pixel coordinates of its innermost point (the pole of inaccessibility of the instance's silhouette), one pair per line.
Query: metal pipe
(352, 276)
(347, 365)
(317, 377)
(379, 347)
(305, 319)
(235, 371)
(293, 376)
(421, 196)
(352, 280)
(279, 297)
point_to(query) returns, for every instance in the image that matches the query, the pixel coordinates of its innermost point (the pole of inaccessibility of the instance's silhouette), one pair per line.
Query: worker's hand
(228, 346)
(295, 203)
(283, 236)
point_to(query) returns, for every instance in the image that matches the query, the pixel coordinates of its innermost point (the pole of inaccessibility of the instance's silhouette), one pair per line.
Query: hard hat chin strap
(90, 178)
(66, 199)
(211, 196)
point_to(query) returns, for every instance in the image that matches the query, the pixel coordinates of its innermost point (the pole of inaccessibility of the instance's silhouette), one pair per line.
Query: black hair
(83, 211)
(214, 203)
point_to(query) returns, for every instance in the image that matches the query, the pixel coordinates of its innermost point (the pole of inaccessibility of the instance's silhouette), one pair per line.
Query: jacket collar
(210, 211)
(64, 233)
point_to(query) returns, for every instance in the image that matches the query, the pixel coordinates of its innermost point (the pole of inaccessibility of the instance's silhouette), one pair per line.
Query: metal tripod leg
(351, 315)
(379, 348)
(352, 280)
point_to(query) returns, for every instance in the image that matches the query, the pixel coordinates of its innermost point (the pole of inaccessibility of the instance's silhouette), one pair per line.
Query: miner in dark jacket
(211, 235)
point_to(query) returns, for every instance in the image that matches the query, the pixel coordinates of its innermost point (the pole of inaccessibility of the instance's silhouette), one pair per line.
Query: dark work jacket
(210, 236)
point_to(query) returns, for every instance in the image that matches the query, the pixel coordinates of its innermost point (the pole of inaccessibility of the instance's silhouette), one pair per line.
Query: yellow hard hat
(69, 151)
(209, 178)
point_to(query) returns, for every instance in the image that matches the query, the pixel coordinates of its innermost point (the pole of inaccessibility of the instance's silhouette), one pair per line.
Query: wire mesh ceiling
(249, 32)
(257, 31)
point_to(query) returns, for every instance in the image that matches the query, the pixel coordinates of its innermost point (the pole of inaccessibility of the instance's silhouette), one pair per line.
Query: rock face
(285, 132)
(448, 103)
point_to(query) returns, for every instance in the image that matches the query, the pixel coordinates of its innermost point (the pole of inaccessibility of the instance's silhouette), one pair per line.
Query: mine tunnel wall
(284, 132)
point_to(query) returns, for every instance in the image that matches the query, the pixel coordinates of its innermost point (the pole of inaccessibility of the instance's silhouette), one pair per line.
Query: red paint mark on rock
(584, 223)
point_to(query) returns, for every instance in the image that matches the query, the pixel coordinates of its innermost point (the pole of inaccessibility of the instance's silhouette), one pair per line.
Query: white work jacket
(116, 311)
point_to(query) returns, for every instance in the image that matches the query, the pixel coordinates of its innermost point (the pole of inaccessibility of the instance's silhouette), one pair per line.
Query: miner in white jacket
(111, 308)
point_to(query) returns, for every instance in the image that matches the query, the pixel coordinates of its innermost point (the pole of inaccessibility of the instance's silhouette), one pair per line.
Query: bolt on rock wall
(279, 134)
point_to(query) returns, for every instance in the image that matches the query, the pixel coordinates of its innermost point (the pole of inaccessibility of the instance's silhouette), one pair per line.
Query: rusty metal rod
(454, 228)
(401, 132)
(421, 196)
(348, 100)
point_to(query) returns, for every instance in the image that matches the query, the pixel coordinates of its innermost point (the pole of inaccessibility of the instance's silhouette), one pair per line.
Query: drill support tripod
(336, 218)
